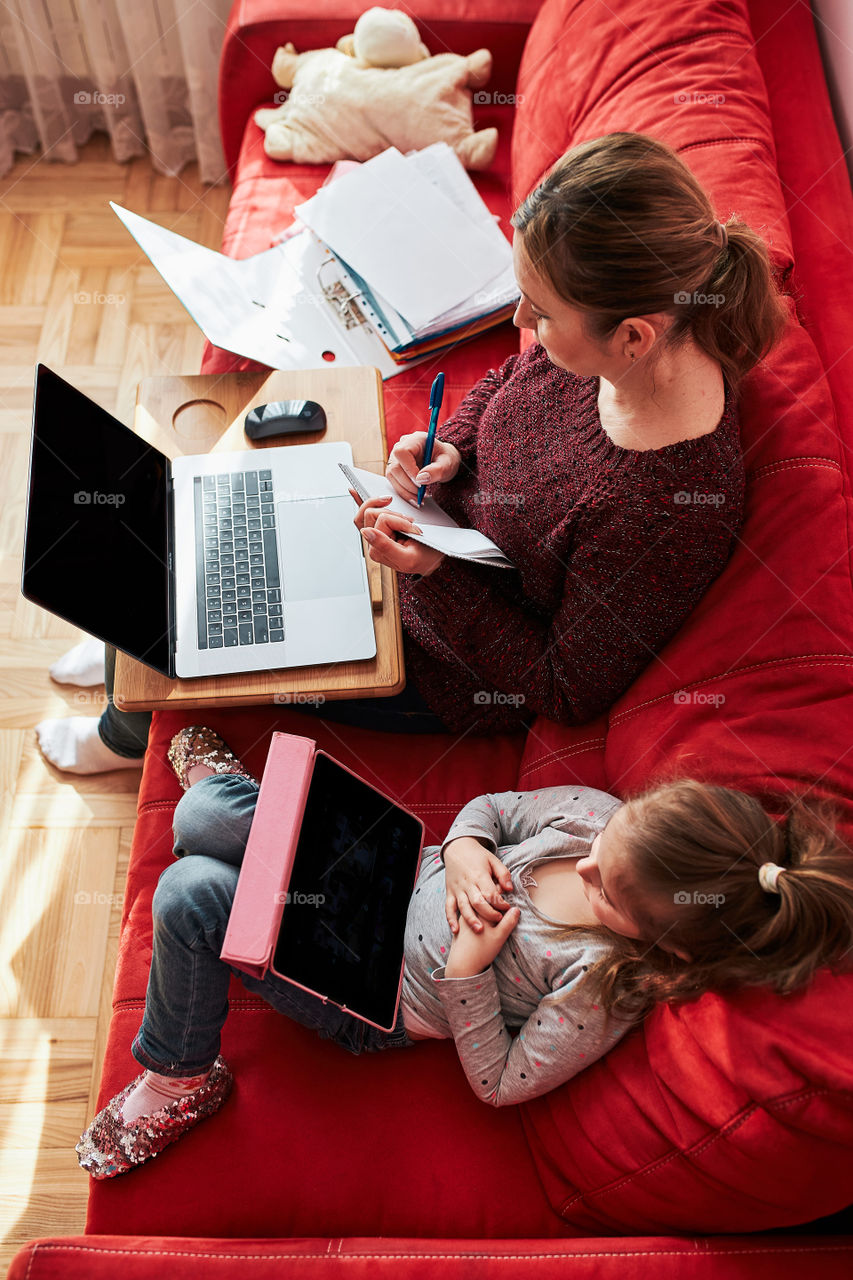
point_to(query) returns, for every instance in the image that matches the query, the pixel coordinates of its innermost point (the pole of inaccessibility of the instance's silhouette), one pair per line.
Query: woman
(605, 460)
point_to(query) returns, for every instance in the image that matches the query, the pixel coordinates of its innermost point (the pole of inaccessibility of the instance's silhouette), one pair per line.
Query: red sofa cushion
(686, 73)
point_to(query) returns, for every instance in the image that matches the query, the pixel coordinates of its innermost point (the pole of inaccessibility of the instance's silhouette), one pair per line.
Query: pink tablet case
(256, 913)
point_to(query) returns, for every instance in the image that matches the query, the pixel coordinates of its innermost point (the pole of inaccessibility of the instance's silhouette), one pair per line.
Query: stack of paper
(439, 529)
(394, 259)
(418, 242)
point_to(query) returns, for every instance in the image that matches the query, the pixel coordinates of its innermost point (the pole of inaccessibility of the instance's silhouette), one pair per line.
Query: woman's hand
(404, 464)
(474, 878)
(471, 953)
(384, 532)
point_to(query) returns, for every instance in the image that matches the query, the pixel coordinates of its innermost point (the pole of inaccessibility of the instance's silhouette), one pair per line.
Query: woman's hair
(696, 850)
(620, 227)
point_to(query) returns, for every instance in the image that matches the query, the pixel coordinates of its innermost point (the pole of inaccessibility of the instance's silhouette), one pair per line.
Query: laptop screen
(343, 926)
(96, 545)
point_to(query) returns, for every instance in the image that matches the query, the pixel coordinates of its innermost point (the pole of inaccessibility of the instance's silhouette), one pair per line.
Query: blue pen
(436, 396)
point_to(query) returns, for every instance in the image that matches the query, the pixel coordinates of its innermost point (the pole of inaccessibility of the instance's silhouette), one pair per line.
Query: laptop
(203, 565)
(325, 883)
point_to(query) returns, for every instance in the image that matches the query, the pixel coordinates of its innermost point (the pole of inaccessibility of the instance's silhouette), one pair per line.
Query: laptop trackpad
(319, 549)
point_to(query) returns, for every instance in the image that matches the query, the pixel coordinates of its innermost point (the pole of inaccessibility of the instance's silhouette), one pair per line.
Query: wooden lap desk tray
(205, 414)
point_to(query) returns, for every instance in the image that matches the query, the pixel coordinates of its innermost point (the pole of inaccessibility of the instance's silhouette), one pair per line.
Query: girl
(575, 458)
(563, 913)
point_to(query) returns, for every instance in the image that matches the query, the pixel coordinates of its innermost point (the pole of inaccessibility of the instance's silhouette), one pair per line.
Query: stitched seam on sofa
(704, 1144)
(676, 1153)
(755, 142)
(786, 464)
(804, 659)
(844, 1095)
(693, 1248)
(725, 142)
(247, 1004)
(562, 754)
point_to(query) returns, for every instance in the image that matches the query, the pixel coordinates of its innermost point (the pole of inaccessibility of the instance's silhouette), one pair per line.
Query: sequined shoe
(200, 745)
(111, 1146)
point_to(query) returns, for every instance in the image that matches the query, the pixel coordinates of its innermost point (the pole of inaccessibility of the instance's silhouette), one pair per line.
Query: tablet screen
(344, 919)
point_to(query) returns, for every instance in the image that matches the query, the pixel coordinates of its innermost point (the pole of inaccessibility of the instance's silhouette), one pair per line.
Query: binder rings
(290, 307)
(302, 303)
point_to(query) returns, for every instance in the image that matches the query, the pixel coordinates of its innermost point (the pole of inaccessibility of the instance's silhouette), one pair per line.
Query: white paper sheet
(414, 245)
(440, 530)
(269, 307)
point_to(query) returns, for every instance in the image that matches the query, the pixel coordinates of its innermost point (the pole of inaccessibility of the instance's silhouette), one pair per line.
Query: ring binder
(271, 307)
(341, 299)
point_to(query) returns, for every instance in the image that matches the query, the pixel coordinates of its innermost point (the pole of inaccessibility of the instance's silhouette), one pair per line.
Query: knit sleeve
(566, 1033)
(513, 817)
(461, 428)
(637, 566)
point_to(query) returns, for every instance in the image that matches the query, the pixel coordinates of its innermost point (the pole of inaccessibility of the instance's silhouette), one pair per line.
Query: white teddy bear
(377, 88)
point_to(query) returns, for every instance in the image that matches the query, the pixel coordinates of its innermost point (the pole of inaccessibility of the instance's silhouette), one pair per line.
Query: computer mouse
(284, 417)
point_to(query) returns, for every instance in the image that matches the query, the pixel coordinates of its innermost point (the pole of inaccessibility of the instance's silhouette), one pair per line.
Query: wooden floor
(77, 294)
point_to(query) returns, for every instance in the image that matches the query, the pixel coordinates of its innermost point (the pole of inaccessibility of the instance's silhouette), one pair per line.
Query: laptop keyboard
(238, 591)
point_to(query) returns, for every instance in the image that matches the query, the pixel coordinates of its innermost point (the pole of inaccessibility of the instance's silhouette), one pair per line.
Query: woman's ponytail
(738, 315)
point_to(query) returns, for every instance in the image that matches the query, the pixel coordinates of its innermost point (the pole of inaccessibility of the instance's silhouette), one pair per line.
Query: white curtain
(143, 70)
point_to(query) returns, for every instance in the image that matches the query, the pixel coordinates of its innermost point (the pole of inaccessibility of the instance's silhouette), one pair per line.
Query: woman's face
(557, 324)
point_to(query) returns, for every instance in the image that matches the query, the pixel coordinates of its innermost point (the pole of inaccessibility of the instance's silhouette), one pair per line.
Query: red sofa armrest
(256, 28)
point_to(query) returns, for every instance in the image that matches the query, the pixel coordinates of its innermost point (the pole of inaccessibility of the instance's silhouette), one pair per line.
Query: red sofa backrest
(742, 1104)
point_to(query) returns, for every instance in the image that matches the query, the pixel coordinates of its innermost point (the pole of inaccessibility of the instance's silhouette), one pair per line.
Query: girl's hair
(695, 850)
(620, 227)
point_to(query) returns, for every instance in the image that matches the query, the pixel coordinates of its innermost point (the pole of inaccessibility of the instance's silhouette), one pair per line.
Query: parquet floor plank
(77, 294)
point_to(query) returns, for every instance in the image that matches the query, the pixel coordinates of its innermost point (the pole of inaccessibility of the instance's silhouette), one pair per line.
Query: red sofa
(697, 1146)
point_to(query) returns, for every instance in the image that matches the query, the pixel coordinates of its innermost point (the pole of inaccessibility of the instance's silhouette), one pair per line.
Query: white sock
(74, 744)
(154, 1091)
(83, 665)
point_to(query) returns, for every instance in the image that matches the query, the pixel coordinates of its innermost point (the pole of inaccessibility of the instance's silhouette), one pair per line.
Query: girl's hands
(404, 464)
(474, 878)
(471, 953)
(381, 529)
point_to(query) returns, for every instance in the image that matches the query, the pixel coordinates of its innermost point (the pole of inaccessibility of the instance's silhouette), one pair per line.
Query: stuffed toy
(377, 88)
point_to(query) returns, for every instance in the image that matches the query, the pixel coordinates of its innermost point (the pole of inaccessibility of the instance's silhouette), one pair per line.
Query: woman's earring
(632, 355)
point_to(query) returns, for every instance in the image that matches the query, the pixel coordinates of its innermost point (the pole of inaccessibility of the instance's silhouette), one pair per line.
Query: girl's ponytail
(696, 854)
(812, 925)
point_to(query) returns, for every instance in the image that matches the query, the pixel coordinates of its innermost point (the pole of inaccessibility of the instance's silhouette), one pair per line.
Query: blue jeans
(126, 732)
(187, 999)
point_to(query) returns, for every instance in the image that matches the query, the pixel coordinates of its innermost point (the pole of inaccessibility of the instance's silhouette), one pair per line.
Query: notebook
(324, 888)
(440, 530)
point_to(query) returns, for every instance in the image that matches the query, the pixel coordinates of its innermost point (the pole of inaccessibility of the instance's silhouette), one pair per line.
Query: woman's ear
(641, 334)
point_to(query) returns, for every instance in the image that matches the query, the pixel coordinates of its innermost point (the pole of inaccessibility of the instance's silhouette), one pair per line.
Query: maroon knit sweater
(610, 559)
